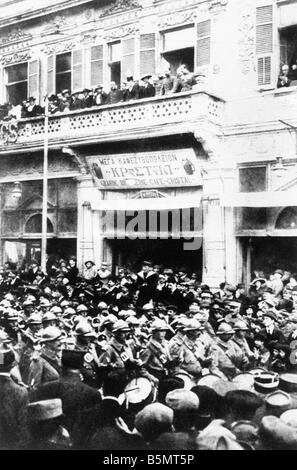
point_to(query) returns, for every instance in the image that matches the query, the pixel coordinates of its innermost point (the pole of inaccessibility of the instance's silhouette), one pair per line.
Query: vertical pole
(45, 189)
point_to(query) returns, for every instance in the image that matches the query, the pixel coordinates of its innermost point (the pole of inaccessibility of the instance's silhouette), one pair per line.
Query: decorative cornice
(121, 5)
(60, 47)
(217, 6)
(177, 18)
(15, 58)
(15, 35)
(121, 32)
(56, 25)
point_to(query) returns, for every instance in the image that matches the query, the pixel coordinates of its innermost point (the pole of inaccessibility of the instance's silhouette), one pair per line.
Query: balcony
(153, 117)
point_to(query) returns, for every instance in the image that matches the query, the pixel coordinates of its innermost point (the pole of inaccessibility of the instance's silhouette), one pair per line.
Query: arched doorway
(287, 219)
(34, 224)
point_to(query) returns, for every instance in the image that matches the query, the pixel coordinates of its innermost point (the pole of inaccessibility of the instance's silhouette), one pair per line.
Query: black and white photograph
(148, 228)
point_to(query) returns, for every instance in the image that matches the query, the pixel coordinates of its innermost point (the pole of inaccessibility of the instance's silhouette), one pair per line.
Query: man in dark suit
(271, 332)
(13, 406)
(147, 281)
(147, 90)
(115, 95)
(76, 396)
(132, 90)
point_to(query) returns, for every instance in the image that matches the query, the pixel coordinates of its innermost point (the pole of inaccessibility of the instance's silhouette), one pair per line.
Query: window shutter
(264, 44)
(203, 43)
(96, 65)
(128, 57)
(147, 53)
(51, 74)
(33, 79)
(77, 70)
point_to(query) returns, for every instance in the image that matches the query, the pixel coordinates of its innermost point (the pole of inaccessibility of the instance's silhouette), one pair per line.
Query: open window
(288, 51)
(63, 72)
(115, 56)
(179, 48)
(17, 83)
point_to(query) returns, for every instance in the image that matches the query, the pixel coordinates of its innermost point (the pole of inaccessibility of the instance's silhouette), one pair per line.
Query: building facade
(225, 150)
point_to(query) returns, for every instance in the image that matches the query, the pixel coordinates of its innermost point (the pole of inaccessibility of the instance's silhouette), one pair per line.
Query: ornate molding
(121, 32)
(60, 47)
(56, 25)
(15, 58)
(15, 35)
(177, 18)
(88, 38)
(246, 41)
(217, 6)
(119, 6)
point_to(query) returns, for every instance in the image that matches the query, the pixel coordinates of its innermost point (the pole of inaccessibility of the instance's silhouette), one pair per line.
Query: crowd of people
(145, 360)
(163, 84)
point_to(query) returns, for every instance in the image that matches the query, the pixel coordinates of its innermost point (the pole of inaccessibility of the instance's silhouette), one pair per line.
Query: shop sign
(158, 169)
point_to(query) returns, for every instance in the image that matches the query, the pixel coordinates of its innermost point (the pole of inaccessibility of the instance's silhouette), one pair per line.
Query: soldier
(241, 343)
(118, 355)
(156, 358)
(176, 342)
(46, 366)
(191, 355)
(91, 370)
(226, 357)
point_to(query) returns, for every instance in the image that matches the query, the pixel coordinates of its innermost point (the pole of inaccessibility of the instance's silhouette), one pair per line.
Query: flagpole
(45, 189)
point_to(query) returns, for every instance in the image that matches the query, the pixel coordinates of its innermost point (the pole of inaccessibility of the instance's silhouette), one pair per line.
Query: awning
(157, 204)
(261, 199)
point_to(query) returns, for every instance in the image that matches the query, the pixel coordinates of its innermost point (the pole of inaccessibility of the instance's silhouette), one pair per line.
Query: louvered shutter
(51, 72)
(96, 65)
(128, 58)
(264, 44)
(147, 53)
(77, 70)
(203, 43)
(33, 79)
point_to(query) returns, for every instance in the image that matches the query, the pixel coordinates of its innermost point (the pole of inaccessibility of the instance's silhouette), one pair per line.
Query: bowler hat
(7, 357)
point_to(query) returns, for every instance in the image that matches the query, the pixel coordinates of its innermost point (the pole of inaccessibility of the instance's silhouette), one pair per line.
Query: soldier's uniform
(190, 357)
(155, 358)
(175, 344)
(226, 359)
(42, 369)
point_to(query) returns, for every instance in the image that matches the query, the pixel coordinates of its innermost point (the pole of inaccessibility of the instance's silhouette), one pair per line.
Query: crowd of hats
(162, 83)
(255, 409)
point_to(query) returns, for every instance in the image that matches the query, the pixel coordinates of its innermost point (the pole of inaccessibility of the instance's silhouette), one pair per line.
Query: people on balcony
(148, 89)
(163, 84)
(133, 89)
(115, 95)
(99, 96)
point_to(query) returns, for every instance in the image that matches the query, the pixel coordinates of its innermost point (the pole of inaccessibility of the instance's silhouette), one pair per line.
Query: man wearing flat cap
(271, 332)
(45, 423)
(76, 396)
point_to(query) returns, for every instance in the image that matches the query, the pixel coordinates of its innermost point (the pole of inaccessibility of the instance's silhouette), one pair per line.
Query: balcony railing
(116, 122)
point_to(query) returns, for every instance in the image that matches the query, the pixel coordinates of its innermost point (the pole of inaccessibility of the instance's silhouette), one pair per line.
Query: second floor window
(115, 57)
(178, 48)
(17, 83)
(63, 72)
